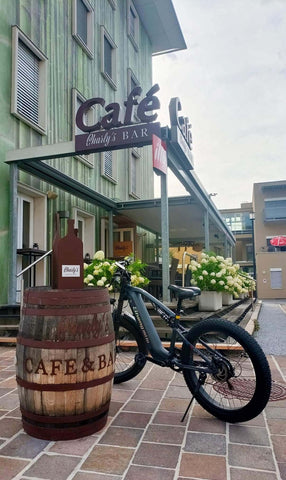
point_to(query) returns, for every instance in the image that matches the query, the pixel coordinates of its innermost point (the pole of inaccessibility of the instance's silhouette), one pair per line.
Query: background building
(254, 225)
(269, 206)
(55, 55)
(241, 224)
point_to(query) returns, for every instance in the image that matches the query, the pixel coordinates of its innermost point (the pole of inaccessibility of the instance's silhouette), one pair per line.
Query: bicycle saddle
(185, 292)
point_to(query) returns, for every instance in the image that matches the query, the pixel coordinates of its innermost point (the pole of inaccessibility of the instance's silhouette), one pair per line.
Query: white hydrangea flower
(99, 255)
(88, 278)
(213, 282)
(205, 273)
(100, 283)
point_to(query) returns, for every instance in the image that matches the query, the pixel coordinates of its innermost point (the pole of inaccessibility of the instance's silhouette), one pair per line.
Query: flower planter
(210, 301)
(227, 298)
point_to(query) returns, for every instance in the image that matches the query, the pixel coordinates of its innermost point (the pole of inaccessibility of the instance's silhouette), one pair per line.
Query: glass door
(25, 208)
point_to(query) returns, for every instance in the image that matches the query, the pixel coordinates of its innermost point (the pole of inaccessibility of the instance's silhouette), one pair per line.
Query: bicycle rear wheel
(128, 343)
(240, 388)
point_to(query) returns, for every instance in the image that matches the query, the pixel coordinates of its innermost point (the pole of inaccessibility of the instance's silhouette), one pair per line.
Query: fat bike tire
(129, 342)
(244, 393)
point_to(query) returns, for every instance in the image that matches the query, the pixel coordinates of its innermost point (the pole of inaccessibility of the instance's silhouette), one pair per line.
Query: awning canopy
(186, 219)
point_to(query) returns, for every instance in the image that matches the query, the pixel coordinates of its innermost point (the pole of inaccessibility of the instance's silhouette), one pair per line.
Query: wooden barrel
(65, 362)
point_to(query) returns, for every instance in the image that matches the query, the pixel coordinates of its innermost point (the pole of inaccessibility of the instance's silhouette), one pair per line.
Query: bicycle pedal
(140, 359)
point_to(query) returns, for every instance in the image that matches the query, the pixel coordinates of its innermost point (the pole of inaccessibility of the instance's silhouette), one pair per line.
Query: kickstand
(201, 381)
(188, 408)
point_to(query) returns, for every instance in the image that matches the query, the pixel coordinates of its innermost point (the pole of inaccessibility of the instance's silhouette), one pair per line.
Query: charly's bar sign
(114, 130)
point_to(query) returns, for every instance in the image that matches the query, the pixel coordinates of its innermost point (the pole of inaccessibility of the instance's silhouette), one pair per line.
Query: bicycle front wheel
(240, 385)
(129, 342)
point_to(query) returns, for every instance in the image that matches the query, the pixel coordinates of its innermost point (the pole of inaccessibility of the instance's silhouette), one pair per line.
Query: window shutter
(276, 278)
(28, 83)
(108, 164)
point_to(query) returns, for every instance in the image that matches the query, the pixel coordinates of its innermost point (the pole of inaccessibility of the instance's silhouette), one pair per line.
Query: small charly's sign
(70, 270)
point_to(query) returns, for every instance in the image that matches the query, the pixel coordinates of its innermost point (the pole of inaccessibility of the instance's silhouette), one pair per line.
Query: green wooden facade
(48, 24)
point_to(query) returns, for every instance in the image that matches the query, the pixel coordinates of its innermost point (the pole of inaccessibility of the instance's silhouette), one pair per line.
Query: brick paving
(145, 439)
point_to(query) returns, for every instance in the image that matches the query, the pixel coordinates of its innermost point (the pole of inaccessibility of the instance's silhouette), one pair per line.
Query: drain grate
(243, 390)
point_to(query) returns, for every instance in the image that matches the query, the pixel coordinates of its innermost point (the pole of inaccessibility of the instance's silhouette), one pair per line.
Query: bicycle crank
(140, 359)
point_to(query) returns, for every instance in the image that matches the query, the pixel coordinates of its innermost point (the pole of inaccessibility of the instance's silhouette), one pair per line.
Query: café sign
(116, 129)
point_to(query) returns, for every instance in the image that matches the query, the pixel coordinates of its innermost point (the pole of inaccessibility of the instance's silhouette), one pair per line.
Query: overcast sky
(232, 85)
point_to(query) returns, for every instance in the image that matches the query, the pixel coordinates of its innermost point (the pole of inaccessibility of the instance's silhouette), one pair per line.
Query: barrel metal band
(66, 418)
(50, 344)
(62, 387)
(64, 310)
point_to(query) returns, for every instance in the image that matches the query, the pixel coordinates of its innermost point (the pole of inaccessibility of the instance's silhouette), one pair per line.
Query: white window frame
(88, 160)
(113, 4)
(41, 126)
(112, 178)
(111, 79)
(133, 153)
(88, 230)
(89, 46)
(134, 38)
(131, 76)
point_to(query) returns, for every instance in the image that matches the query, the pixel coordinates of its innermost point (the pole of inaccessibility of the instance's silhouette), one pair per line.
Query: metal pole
(110, 233)
(207, 233)
(253, 254)
(13, 234)
(165, 238)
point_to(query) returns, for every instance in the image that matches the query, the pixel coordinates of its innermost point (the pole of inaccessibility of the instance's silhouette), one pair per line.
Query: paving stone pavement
(145, 439)
(272, 327)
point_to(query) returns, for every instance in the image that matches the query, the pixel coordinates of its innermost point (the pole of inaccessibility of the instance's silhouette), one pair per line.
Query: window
(134, 174)
(82, 27)
(108, 165)
(108, 57)
(77, 101)
(275, 209)
(133, 24)
(238, 222)
(276, 278)
(132, 82)
(28, 100)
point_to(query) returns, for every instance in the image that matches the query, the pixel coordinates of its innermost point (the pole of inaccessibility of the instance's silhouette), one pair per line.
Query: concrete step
(9, 323)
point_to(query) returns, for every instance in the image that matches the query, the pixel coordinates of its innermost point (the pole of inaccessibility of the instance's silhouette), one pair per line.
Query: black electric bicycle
(223, 366)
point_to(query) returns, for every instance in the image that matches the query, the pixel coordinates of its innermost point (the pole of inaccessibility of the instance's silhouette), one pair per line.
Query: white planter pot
(227, 298)
(210, 301)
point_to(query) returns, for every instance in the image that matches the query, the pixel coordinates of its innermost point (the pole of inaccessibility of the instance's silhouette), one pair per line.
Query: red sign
(159, 150)
(279, 241)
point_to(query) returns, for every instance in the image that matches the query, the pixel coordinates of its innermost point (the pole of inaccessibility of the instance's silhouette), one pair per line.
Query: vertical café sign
(115, 130)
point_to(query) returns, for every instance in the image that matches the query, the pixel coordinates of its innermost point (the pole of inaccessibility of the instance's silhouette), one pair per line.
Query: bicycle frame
(159, 354)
